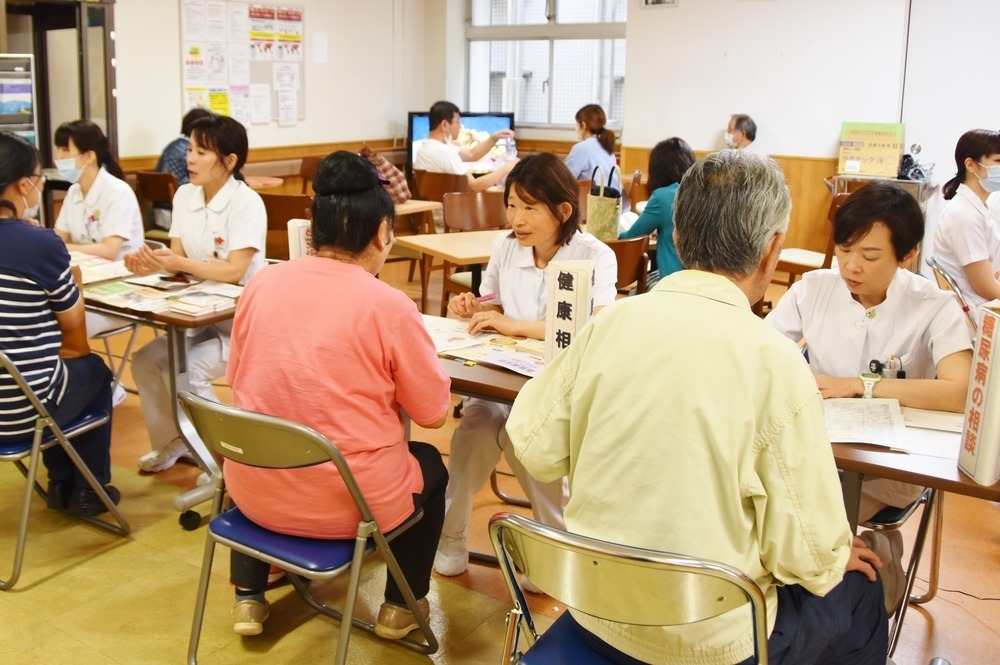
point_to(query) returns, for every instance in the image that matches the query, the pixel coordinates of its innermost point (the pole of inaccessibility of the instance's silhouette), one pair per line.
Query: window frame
(550, 32)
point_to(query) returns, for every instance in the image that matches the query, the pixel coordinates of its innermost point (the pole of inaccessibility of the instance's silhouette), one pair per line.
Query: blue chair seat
(561, 644)
(312, 554)
(88, 417)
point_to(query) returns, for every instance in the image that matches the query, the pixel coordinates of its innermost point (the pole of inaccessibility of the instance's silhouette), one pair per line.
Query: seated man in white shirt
(875, 329)
(719, 451)
(741, 134)
(437, 153)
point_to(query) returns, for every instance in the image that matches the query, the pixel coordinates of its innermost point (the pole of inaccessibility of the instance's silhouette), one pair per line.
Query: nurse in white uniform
(100, 214)
(967, 240)
(218, 232)
(542, 207)
(871, 322)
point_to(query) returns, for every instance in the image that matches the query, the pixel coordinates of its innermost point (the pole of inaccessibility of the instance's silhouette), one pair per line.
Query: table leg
(850, 486)
(177, 357)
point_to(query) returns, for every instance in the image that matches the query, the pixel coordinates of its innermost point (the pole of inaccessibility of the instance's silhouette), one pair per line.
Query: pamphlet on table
(518, 354)
(97, 269)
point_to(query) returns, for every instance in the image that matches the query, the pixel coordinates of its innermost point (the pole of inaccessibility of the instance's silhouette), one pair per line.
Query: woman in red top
(322, 342)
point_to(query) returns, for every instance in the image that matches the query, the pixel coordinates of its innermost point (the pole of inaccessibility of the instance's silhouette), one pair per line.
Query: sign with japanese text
(979, 456)
(868, 148)
(569, 305)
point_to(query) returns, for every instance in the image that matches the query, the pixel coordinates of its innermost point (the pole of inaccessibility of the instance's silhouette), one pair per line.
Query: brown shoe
(249, 617)
(395, 622)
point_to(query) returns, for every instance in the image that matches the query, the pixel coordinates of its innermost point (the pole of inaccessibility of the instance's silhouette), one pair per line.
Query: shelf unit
(18, 96)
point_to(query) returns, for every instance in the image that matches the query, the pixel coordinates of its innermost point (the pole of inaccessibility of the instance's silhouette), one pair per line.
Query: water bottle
(511, 148)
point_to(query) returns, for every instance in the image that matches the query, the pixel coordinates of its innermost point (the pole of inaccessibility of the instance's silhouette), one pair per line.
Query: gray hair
(729, 204)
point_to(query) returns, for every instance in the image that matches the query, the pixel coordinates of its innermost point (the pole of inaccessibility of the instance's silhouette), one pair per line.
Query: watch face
(870, 376)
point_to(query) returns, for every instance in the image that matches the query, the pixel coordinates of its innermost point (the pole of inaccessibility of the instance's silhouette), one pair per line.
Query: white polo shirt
(437, 157)
(109, 209)
(521, 287)
(967, 233)
(917, 322)
(234, 219)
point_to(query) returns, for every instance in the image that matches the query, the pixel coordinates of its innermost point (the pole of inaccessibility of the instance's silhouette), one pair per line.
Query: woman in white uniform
(967, 240)
(872, 328)
(542, 208)
(218, 232)
(100, 214)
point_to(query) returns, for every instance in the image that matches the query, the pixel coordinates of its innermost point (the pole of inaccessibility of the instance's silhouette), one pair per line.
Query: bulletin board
(244, 60)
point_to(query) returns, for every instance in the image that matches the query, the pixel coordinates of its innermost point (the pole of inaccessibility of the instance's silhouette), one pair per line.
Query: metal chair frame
(32, 449)
(269, 442)
(890, 519)
(585, 573)
(947, 283)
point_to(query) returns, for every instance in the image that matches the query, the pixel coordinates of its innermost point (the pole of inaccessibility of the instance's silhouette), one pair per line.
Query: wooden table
(468, 248)
(262, 182)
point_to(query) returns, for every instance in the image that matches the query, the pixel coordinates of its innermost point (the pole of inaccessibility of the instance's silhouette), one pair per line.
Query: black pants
(848, 626)
(88, 383)
(414, 548)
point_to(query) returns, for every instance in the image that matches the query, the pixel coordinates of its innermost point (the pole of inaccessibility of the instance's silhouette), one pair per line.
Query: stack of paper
(97, 269)
(128, 296)
(197, 303)
(876, 422)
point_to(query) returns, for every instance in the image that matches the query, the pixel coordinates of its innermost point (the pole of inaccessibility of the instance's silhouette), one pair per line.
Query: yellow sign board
(868, 148)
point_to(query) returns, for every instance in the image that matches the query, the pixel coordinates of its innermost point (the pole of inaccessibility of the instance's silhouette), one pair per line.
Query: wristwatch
(869, 379)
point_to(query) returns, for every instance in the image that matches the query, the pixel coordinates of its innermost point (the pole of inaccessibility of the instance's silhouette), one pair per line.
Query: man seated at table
(437, 153)
(720, 451)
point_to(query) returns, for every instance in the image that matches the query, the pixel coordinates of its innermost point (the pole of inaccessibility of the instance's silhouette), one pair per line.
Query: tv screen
(475, 127)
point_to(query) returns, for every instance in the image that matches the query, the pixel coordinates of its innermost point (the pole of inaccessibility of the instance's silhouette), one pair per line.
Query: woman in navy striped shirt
(42, 331)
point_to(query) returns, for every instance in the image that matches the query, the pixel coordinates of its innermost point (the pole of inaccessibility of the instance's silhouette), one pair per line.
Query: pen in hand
(486, 298)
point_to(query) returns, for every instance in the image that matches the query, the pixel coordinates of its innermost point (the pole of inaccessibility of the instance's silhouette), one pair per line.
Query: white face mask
(991, 183)
(68, 170)
(31, 212)
(730, 140)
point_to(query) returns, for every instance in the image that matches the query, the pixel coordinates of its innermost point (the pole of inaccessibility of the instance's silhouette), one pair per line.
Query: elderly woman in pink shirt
(322, 342)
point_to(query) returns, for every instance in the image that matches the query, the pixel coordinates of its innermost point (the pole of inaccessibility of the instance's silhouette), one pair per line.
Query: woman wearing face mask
(967, 240)
(596, 148)
(100, 214)
(217, 232)
(41, 314)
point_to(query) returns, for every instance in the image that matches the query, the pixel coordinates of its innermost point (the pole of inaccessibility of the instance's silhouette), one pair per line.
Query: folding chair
(946, 282)
(605, 580)
(890, 519)
(468, 211)
(32, 449)
(268, 442)
(155, 189)
(633, 263)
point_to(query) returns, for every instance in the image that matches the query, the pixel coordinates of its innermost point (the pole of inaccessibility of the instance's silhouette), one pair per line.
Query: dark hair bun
(344, 172)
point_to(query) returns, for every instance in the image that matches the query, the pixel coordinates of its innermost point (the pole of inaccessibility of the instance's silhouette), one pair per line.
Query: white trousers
(475, 451)
(151, 373)
(879, 493)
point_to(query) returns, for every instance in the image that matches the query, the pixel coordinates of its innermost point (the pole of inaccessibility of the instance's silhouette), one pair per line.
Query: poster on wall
(243, 59)
(289, 33)
(262, 35)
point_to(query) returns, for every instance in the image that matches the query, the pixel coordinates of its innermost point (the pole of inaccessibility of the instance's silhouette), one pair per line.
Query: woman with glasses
(43, 333)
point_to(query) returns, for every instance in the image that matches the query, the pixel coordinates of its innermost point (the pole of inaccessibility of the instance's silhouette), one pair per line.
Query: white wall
(798, 67)
(375, 73)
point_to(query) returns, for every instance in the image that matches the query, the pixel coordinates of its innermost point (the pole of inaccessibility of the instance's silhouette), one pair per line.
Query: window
(544, 59)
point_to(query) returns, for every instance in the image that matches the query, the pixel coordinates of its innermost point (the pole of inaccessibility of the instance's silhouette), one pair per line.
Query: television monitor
(475, 127)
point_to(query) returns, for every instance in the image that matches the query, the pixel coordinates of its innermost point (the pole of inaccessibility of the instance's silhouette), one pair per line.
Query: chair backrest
(605, 579)
(831, 215)
(633, 261)
(583, 193)
(636, 190)
(474, 211)
(265, 441)
(10, 368)
(281, 208)
(307, 171)
(947, 283)
(433, 186)
(155, 187)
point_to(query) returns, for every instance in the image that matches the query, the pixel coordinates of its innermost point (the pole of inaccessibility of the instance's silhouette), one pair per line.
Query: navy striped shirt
(36, 283)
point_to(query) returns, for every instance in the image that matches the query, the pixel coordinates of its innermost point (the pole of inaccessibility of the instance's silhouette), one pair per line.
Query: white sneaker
(162, 459)
(526, 585)
(203, 479)
(452, 557)
(118, 396)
